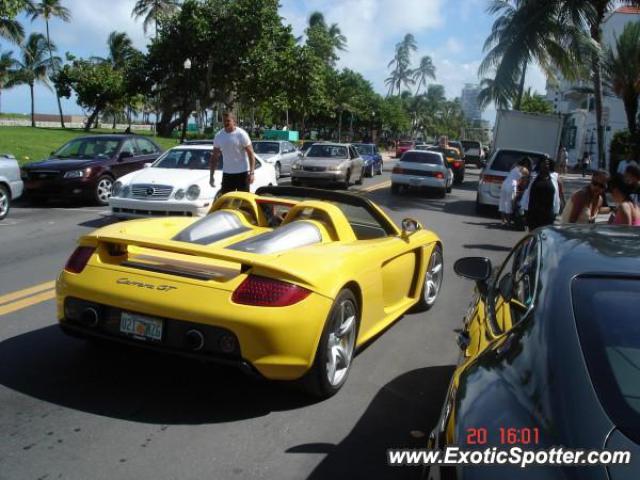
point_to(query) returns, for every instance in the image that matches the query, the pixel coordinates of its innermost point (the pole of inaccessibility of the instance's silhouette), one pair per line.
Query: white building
(574, 100)
(470, 105)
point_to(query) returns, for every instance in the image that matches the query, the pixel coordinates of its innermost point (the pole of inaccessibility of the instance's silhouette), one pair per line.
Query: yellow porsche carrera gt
(286, 283)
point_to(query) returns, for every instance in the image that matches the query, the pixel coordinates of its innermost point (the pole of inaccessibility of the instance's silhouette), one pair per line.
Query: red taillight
(439, 175)
(456, 164)
(491, 179)
(397, 170)
(78, 259)
(266, 292)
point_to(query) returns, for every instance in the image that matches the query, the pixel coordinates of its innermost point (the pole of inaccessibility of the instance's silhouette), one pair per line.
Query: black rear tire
(395, 189)
(316, 381)
(5, 202)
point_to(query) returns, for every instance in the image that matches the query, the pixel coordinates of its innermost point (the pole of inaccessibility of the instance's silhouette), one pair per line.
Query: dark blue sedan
(372, 158)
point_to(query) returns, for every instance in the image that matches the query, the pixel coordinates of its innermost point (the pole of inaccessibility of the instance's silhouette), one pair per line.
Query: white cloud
(454, 46)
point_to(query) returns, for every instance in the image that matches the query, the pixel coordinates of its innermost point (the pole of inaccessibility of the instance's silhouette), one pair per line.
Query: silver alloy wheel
(340, 345)
(4, 203)
(433, 277)
(103, 190)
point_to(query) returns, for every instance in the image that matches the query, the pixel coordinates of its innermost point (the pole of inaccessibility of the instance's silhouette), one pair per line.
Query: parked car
(279, 153)
(285, 300)
(422, 169)
(329, 163)
(372, 158)
(11, 185)
(473, 152)
(404, 146)
(494, 173)
(86, 167)
(177, 184)
(550, 348)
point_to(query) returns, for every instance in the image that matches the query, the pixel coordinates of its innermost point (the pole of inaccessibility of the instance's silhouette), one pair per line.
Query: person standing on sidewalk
(585, 163)
(239, 161)
(563, 158)
(541, 201)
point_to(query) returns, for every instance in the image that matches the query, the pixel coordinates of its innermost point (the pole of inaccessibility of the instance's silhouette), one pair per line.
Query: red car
(404, 145)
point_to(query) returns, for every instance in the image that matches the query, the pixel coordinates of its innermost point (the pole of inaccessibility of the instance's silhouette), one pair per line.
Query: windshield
(191, 159)
(88, 148)
(266, 147)
(505, 160)
(422, 157)
(606, 313)
(327, 151)
(469, 145)
(364, 149)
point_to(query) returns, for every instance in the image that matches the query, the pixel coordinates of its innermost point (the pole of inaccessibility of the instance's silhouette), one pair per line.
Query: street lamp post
(187, 69)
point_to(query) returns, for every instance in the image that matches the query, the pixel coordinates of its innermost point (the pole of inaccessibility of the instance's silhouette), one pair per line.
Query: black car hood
(62, 164)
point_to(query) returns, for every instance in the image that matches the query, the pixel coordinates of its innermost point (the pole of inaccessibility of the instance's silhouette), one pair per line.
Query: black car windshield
(363, 148)
(88, 148)
(266, 147)
(422, 157)
(506, 159)
(327, 151)
(192, 159)
(606, 313)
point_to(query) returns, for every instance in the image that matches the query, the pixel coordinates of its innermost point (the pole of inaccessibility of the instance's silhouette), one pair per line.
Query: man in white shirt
(239, 160)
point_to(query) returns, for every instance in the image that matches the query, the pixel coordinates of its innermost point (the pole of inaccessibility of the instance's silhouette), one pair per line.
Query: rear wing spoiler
(246, 260)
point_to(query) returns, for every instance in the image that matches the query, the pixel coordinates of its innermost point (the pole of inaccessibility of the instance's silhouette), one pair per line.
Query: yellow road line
(377, 186)
(10, 297)
(27, 302)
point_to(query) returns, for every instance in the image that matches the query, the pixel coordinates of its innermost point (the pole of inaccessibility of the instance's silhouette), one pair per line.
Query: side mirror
(124, 155)
(147, 165)
(409, 227)
(473, 268)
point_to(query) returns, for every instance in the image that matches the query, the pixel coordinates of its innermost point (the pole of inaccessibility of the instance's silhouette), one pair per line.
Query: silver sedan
(329, 163)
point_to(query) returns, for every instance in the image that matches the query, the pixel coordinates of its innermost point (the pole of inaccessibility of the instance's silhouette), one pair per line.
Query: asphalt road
(71, 410)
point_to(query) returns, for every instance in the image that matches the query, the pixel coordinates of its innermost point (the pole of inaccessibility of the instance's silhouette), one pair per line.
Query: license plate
(141, 326)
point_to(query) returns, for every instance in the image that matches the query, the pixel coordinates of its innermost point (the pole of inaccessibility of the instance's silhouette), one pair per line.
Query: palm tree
(10, 28)
(426, 70)
(525, 32)
(500, 94)
(402, 73)
(621, 72)
(153, 11)
(330, 38)
(33, 67)
(120, 49)
(48, 9)
(7, 65)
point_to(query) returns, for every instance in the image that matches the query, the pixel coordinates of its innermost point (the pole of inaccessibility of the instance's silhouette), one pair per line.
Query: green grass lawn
(32, 144)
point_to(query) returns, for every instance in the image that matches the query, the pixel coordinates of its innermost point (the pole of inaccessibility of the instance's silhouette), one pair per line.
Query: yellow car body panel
(386, 275)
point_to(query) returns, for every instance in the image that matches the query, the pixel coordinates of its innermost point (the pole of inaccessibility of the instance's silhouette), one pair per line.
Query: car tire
(432, 283)
(481, 209)
(5, 202)
(336, 347)
(442, 193)
(278, 170)
(372, 171)
(347, 180)
(395, 189)
(448, 189)
(380, 168)
(102, 191)
(359, 181)
(295, 183)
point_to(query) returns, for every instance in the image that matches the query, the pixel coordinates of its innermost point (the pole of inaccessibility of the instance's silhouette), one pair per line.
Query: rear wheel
(277, 168)
(432, 281)
(103, 190)
(336, 348)
(359, 181)
(395, 189)
(5, 202)
(347, 180)
(380, 169)
(442, 192)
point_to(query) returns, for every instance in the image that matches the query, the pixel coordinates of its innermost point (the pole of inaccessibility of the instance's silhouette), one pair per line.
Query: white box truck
(534, 132)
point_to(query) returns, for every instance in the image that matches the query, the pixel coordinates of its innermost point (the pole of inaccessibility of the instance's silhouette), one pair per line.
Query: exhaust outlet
(90, 317)
(194, 340)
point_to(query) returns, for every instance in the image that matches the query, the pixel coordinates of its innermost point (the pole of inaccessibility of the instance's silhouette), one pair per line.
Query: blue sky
(452, 32)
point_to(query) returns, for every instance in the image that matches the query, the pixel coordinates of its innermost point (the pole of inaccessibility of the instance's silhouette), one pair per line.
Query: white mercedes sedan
(177, 184)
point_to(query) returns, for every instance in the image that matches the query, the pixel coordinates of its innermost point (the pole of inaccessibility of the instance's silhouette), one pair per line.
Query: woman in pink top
(627, 212)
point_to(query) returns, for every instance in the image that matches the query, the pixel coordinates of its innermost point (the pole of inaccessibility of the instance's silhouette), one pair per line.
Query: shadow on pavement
(137, 386)
(100, 222)
(486, 246)
(410, 402)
